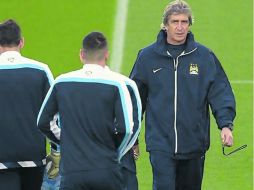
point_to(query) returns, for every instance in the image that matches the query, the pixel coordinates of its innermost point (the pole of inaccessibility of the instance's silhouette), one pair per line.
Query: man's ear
(21, 43)
(81, 55)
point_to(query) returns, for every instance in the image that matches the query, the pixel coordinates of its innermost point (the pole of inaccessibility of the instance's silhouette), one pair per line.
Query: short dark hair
(94, 45)
(94, 41)
(10, 33)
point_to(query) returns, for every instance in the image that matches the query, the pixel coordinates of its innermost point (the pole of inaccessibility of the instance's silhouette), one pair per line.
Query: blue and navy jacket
(176, 94)
(88, 101)
(24, 85)
(128, 161)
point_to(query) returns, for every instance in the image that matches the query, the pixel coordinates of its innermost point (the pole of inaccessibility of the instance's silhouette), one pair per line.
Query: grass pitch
(53, 32)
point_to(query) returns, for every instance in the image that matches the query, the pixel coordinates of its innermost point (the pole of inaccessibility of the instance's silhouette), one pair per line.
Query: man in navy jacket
(23, 86)
(178, 79)
(88, 101)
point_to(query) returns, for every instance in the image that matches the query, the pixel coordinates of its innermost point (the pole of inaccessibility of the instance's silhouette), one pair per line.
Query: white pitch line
(119, 35)
(241, 82)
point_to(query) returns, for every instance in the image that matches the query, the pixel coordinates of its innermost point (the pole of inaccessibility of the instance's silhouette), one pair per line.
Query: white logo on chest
(156, 70)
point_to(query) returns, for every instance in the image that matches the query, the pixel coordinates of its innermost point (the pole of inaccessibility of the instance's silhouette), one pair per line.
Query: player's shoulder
(34, 64)
(119, 76)
(69, 75)
(37, 64)
(114, 77)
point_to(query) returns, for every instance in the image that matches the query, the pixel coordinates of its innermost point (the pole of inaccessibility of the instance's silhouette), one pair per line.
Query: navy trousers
(172, 174)
(97, 179)
(21, 178)
(130, 179)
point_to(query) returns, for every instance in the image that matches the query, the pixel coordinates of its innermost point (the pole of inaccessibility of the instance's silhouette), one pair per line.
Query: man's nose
(179, 26)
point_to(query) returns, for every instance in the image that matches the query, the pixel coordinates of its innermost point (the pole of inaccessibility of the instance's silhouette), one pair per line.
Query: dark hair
(10, 33)
(95, 45)
(94, 41)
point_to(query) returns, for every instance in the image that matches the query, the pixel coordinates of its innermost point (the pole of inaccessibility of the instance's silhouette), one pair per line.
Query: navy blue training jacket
(23, 86)
(88, 101)
(176, 95)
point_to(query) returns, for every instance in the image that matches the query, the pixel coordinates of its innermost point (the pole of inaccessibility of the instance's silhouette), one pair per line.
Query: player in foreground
(88, 102)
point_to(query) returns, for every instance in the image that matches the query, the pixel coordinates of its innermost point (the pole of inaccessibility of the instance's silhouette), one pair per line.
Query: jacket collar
(93, 67)
(10, 57)
(8, 54)
(161, 43)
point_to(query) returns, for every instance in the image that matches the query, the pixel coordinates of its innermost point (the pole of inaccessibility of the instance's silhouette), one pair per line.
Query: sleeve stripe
(139, 106)
(128, 126)
(44, 103)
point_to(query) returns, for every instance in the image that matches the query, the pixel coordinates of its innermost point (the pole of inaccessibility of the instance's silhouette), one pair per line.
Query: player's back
(24, 84)
(88, 100)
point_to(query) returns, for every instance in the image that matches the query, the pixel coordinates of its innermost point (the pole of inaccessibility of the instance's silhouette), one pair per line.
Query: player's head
(10, 35)
(95, 48)
(175, 8)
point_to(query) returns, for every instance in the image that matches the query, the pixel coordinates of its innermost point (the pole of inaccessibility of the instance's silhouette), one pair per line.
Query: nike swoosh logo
(156, 70)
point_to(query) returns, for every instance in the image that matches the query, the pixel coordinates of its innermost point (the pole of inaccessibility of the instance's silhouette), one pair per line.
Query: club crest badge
(193, 69)
(11, 59)
(88, 73)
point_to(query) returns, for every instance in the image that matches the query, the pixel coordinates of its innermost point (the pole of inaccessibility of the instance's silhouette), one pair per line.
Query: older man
(178, 79)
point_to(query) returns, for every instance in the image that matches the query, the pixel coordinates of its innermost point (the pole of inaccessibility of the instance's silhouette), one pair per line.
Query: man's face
(177, 29)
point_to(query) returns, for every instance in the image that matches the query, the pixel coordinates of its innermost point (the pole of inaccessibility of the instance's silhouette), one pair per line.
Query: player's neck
(4, 49)
(98, 62)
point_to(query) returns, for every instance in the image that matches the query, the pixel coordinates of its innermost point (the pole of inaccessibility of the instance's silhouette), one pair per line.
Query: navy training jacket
(176, 94)
(23, 86)
(88, 101)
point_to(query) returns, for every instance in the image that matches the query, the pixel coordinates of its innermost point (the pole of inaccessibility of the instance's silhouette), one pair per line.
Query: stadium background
(53, 32)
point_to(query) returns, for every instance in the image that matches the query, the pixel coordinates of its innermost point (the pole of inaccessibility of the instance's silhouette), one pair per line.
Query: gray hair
(174, 8)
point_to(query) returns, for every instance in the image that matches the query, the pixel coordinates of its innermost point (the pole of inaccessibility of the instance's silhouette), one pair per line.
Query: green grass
(53, 32)
(236, 171)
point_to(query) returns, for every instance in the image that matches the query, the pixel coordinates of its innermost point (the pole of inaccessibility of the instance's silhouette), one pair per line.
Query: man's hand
(52, 164)
(226, 137)
(135, 149)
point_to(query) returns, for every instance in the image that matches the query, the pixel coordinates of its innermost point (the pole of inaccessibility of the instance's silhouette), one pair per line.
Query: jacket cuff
(230, 126)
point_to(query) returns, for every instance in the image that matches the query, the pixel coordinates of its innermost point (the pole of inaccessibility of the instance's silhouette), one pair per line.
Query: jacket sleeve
(124, 118)
(137, 111)
(138, 75)
(49, 79)
(221, 97)
(46, 120)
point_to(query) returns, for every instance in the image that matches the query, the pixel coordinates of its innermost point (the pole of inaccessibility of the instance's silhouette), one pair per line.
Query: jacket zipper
(175, 98)
(175, 102)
